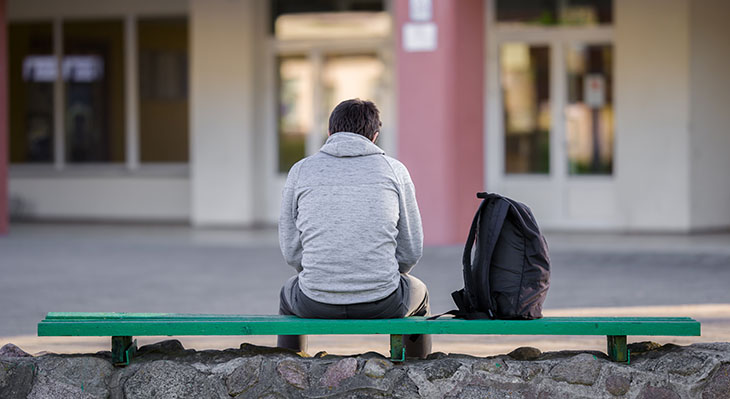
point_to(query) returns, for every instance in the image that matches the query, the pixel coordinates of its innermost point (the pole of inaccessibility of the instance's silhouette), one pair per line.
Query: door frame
(551, 195)
(316, 51)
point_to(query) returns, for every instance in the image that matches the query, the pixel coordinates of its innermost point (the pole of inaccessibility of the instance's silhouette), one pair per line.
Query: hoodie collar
(346, 144)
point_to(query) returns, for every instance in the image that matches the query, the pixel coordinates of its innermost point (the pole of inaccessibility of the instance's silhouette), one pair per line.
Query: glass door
(525, 86)
(589, 118)
(550, 125)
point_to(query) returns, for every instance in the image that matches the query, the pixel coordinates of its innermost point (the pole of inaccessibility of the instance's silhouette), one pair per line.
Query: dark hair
(356, 116)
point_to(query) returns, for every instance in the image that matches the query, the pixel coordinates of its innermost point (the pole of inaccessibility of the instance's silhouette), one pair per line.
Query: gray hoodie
(349, 222)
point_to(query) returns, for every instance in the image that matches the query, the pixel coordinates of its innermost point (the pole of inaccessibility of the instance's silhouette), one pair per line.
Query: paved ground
(59, 267)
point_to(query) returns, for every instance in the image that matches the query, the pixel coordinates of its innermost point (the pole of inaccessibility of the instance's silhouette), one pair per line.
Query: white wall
(100, 198)
(710, 114)
(222, 111)
(652, 113)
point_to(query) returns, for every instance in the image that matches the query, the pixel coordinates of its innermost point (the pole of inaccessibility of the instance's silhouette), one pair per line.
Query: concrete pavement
(133, 268)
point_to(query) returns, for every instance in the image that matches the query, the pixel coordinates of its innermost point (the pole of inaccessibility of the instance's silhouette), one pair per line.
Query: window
(32, 71)
(555, 12)
(296, 88)
(525, 81)
(163, 89)
(93, 72)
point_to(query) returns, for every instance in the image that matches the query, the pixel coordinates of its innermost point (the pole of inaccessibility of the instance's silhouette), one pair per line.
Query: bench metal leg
(123, 348)
(397, 348)
(617, 349)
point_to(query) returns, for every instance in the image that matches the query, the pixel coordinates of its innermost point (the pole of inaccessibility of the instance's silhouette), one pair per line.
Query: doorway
(550, 131)
(319, 60)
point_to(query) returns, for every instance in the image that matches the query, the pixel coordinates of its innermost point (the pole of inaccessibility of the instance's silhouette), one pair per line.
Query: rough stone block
(441, 369)
(719, 385)
(168, 379)
(376, 368)
(650, 392)
(10, 350)
(16, 378)
(525, 353)
(617, 385)
(244, 376)
(338, 371)
(582, 369)
(293, 373)
(72, 376)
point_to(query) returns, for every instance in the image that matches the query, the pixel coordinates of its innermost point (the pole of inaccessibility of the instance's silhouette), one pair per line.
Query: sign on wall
(420, 33)
(420, 10)
(420, 36)
(594, 90)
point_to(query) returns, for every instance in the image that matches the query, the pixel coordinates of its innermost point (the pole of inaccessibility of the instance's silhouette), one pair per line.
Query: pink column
(441, 117)
(3, 119)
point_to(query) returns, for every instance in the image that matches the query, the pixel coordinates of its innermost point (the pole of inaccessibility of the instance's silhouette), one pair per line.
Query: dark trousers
(409, 299)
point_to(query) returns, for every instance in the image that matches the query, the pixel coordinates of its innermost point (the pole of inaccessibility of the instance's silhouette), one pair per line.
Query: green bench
(122, 327)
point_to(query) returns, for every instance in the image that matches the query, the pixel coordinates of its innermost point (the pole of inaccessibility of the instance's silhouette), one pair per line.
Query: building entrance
(321, 59)
(550, 133)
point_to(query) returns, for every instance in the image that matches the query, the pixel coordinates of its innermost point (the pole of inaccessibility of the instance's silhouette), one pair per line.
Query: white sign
(75, 68)
(420, 37)
(420, 10)
(594, 90)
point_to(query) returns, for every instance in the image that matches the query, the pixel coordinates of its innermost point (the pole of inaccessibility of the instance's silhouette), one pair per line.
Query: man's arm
(410, 232)
(289, 236)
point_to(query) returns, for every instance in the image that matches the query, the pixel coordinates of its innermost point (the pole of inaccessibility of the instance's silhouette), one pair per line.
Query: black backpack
(507, 275)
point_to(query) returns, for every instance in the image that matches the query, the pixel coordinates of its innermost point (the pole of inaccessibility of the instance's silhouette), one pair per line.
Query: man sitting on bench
(350, 226)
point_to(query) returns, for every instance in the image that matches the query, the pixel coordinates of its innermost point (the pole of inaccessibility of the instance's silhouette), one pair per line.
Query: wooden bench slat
(65, 316)
(145, 325)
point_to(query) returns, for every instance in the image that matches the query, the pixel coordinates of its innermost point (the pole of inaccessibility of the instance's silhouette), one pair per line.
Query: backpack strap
(488, 242)
(462, 315)
(465, 298)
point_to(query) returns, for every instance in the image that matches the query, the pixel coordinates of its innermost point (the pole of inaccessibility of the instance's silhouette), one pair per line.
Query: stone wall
(167, 370)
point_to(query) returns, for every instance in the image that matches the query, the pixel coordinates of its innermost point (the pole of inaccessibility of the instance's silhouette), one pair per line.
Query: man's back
(349, 222)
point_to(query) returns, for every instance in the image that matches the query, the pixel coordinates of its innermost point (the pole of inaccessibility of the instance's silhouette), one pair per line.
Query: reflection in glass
(351, 76)
(589, 111)
(524, 71)
(296, 92)
(94, 76)
(32, 71)
(163, 89)
(555, 12)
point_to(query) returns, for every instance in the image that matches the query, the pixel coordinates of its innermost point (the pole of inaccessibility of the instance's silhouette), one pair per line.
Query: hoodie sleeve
(289, 236)
(410, 232)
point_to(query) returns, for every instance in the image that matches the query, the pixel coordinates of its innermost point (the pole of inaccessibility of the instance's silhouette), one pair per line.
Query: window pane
(163, 80)
(528, 11)
(586, 12)
(589, 112)
(526, 107)
(93, 68)
(32, 71)
(295, 109)
(555, 12)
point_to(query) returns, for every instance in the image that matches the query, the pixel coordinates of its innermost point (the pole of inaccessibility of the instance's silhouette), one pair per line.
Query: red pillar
(3, 118)
(441, 117)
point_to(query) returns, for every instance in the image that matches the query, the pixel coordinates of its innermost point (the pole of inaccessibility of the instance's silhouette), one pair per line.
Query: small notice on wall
(420, 36)
(420, 10)
(594, 90)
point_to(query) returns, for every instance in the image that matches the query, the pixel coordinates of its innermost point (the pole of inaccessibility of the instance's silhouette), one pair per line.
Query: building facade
(600, 115)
